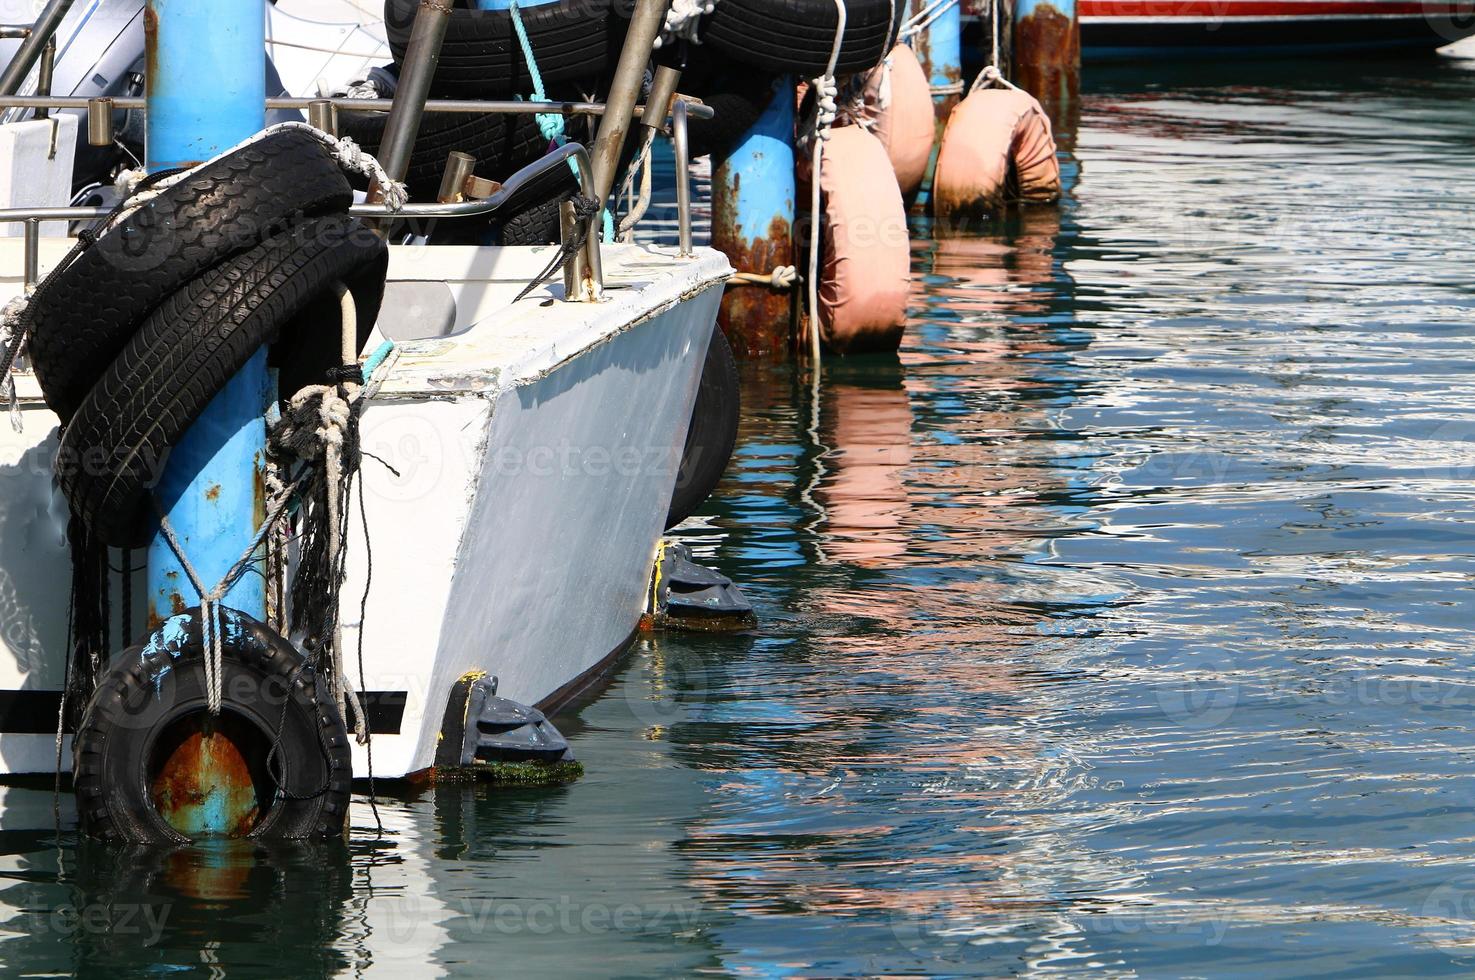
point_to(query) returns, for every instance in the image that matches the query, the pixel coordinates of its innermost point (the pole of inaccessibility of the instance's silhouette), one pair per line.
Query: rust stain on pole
(1047, 60)
(755, 319)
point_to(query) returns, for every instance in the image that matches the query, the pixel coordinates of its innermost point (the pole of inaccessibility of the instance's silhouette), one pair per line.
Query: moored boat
(1130, 29)
(523, 431)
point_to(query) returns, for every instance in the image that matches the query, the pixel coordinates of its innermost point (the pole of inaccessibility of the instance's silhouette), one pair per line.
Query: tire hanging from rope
(223, 298)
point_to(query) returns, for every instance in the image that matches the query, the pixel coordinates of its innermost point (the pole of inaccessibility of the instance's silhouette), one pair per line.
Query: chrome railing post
(33, 253)
(583, 276)
(683, 176)
(422, 54)
(645, 25)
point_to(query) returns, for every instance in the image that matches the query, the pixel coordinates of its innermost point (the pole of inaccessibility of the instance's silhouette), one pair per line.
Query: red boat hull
(1134, 29)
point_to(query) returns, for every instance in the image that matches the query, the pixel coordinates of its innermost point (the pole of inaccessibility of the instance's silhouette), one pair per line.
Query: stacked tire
(482, 58)
(135, 334)
(131, 337)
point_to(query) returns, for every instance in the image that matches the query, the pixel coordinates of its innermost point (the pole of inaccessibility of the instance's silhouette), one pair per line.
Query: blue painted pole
(753, 222)
(945, 68)
(206, 84)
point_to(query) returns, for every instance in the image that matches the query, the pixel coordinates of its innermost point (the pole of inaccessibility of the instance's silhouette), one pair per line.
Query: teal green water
(1118, 627)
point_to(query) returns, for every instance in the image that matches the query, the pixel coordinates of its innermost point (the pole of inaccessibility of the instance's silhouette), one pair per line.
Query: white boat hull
(534, 450)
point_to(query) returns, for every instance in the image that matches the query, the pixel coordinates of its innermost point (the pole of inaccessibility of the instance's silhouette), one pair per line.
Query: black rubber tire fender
(481, 56)
(795, 36)
(85, 316)
(113, 452)
(266, 686)
(712, 436)
(500, 144)
(538, 225)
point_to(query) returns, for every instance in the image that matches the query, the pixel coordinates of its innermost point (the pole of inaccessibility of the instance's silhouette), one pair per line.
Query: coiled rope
(683, 20)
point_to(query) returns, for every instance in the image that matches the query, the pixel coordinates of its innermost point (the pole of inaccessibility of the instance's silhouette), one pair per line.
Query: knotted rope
(683, 19)
(781, 278)
(549, 123)
(12, 339)
(584, 209)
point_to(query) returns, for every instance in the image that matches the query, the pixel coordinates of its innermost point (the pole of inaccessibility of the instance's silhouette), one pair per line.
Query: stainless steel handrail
(592, 278)
(466, 106)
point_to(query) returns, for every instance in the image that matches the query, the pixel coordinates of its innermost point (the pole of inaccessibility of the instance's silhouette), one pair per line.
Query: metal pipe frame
(683, 176)
(417, 69)
(33, 217)
(695, 110)
(646, 21)
(36, 39)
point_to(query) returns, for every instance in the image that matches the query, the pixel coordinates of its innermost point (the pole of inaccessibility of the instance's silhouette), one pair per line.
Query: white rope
(991, 76)
(922, 20)
(683, 19)
(825, 91)
(993, 17)
(10, 318)
(349, 155)
(782, 277)
(640, 204)
(361, 88)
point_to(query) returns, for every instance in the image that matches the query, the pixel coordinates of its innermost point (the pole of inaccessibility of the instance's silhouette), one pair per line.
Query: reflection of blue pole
(752, 223)
(207, 92)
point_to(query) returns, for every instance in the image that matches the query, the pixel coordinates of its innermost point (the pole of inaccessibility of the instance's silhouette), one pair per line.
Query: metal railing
(583, 279)
(680, 112)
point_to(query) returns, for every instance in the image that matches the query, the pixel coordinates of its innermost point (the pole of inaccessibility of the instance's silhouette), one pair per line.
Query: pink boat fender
(865, 262)
(897, 109)
(998, 146)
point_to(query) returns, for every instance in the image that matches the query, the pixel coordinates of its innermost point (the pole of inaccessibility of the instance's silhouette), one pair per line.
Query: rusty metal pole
(939, 48)
(624, 90)
(753, 225)
(417, 69)
(1047, 55)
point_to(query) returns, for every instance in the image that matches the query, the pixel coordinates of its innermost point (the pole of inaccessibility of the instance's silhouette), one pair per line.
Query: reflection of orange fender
(997, 146)
(865, 268)
(898, 112)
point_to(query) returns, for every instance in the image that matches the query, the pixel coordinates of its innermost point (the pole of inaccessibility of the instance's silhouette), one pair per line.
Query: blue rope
(551, 123)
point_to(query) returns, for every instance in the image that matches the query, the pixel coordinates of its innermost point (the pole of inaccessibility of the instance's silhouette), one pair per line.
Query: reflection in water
(1117, 626)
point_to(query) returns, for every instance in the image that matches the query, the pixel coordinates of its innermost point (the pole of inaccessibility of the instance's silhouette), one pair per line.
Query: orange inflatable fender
(897, 109)
(865, 262)
(997, 146)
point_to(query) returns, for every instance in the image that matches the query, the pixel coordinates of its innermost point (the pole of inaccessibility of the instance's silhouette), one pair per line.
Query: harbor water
(1118, 627)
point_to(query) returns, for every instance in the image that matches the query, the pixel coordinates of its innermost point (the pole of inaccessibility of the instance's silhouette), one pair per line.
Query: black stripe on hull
(34, 712)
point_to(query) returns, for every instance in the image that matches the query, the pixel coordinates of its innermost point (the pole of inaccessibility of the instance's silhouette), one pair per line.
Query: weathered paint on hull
(518, 533)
